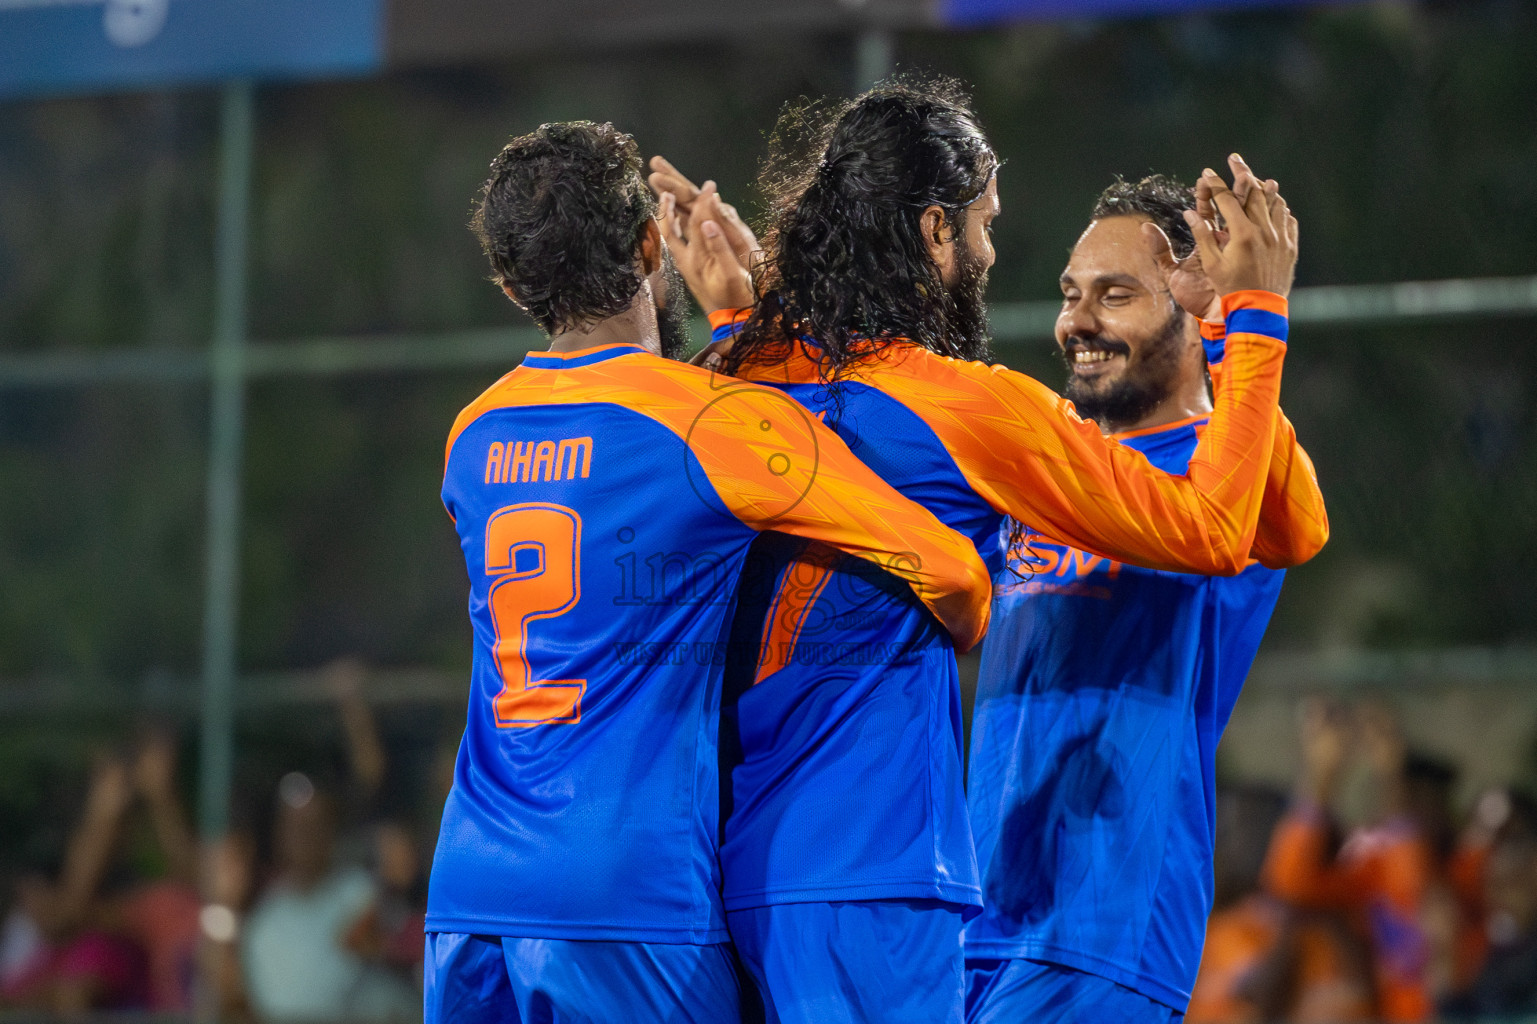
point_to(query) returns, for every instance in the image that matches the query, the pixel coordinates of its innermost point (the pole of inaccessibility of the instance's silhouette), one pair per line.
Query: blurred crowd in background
(309, 909)
(1416, 911)
(1368, 892)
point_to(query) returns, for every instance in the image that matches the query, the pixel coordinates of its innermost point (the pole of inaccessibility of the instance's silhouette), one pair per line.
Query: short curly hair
(1157, 197)
(561, 220)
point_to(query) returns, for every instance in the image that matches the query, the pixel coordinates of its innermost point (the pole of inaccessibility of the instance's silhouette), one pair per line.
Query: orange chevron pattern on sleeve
(1025, 451)
(776, 467)
(803, 583)
(1293, 523)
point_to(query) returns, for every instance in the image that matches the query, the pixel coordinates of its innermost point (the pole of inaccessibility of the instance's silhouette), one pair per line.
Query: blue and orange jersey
(1103, 691)
(605, 501)
(848, 784)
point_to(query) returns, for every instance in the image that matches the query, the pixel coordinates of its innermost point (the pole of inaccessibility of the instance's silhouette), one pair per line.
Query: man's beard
(1147, 380)
(967, 315)
(672, 319)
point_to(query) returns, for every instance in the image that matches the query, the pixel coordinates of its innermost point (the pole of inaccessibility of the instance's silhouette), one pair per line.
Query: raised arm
(1293, 523)
(154, 776)
(1071, 484)
(776, 467)
(1025, 450)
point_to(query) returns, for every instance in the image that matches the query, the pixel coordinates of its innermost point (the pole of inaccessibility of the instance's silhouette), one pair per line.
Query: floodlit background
(239, 310)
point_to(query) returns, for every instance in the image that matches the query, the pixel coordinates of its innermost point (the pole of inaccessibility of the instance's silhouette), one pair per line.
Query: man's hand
(665, 179)
(1382, 741)
(1186, 278)
(713, 356)
(1256, 246)
(703, 255)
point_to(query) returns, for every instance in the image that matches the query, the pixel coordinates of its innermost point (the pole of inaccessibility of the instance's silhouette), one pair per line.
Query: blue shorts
(1009, 991)
(490, 979)
(891, 961)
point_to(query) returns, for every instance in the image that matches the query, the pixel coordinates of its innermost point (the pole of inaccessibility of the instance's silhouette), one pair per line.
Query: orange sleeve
(777, 467)
(1299, 870)
(1404, 873)
(1293, 524)
(1027, 453)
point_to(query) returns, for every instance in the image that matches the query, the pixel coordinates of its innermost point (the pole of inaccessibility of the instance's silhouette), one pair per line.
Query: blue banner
(972, 13)
(55, 46)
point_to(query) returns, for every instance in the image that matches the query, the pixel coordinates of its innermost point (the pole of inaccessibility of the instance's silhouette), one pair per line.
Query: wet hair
(561, 220)
(1157, 197)
(846, 264)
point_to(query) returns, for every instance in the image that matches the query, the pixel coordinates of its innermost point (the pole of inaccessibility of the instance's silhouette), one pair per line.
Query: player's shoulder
(919, 376)
(495, 396)
(666, 391)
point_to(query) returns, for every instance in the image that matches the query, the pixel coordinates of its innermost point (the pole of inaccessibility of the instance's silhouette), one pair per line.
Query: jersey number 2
(534, 552)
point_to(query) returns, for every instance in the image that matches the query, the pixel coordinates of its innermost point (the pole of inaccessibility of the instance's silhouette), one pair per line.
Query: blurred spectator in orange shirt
(1263, 960)
(1385, 876)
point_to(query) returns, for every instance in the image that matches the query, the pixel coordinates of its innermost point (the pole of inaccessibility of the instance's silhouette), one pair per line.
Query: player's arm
(1026, 451)
(776, 467)
(1293, 523)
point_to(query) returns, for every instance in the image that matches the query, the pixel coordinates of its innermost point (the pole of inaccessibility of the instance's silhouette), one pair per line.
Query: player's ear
(650, 248)
(939, 238)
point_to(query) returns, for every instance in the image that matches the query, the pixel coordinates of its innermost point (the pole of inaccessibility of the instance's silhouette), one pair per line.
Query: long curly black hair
(846, 185)
(561, 220)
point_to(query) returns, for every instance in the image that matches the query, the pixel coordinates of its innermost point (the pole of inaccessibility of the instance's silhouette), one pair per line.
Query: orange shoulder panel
(776, 467)
(491, 398)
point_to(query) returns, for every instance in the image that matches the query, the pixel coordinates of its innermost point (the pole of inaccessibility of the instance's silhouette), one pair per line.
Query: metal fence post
(875, 54)
(227, 359)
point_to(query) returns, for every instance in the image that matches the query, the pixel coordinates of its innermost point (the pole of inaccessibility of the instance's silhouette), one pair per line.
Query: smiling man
(1105, 687)
(1133, 361)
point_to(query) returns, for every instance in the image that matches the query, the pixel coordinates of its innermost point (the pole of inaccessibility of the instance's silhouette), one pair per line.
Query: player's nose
(1075, 321)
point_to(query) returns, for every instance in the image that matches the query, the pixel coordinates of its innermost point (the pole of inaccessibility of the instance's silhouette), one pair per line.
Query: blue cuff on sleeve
(1216, 348)
(1255, 321)
(725, 332)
